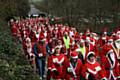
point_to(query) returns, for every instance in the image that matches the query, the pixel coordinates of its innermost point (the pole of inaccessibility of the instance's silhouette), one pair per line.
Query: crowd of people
(59, 52)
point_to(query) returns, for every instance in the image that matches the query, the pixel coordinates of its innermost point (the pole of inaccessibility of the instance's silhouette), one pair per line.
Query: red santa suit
(102, 41)
(109, 62)
(83, 51)
(58, 65)
(116, 46)
(29, 46)
(14, 30)
(49, 71)
(33, 36)
(74, 70)
(94, 69)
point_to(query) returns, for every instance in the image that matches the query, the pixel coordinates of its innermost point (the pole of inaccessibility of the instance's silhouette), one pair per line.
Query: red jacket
(41, 49)
(77, 69)
(58, 63)
(14, 30)
(106, 62)
(93, 69)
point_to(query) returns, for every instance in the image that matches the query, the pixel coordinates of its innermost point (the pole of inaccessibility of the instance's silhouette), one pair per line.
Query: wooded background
(13, 64)
(94, 14)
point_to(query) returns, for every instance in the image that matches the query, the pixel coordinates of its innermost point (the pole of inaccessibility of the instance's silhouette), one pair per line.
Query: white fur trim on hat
(91, 52)
(118, 32)
(82, 41)
(105, 32)
(77, 50)
(75, 57)
(110, 39)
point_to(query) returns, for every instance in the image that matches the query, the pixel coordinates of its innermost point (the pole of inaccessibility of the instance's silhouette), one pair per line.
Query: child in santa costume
(92, 69)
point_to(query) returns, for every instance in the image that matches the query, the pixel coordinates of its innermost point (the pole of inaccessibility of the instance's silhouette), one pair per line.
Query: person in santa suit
(34, 34)
(109, 62)
(116, 48)
(92, 69)
(30, 53)
(103, 38)
(14, 30)
(40, 54)
(82, 50)
(57, 64)
(74, 67)
(118, 33)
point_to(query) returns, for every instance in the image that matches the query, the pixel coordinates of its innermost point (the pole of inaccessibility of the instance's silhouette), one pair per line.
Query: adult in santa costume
(92, 69)
(14, 30)
(57, 64)
(74, 67)
(30, 53)
(116, 46)
(90, 42)
(109, 62)
(40, 54)
(82, 50)
(103, 39)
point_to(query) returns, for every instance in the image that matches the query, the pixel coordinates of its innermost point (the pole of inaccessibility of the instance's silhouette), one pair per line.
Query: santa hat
(28, 39)
(42, 38)
(91, 53)
(88, 31)
(105, 30)
(82, 41)
(118, 32)
(89, 39)
(110, 39)
(74, 55)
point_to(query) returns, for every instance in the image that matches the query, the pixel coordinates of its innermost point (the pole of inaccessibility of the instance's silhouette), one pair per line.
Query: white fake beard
(118, 35)
(45, 34)
(117, 45)
(29, 50)
(37, 35)
(104, 38)
(96, 38)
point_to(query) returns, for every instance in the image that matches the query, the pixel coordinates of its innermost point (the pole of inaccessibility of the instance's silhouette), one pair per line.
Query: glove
(69, 69)
(56, 72)
(98, 68)
(40, 54)
(55, 60)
